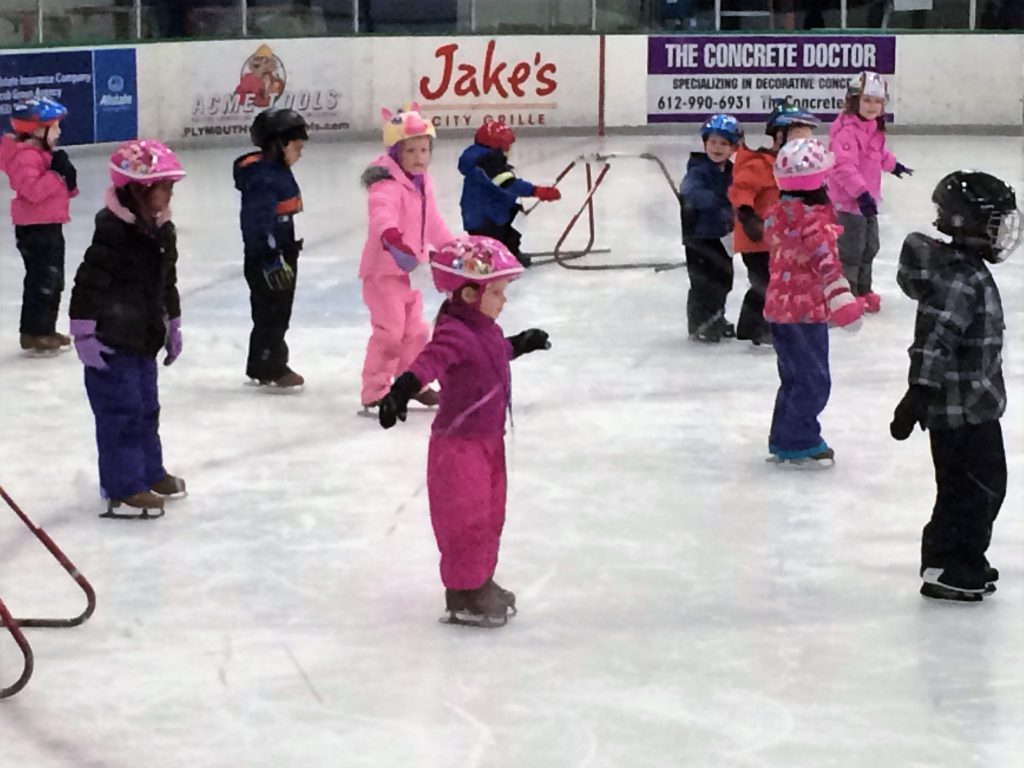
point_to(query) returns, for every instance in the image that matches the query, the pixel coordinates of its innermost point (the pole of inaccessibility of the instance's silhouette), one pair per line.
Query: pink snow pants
(398, 336)
(466, 488)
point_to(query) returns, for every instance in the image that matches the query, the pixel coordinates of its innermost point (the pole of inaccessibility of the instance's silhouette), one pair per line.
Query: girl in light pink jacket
(857, 139)
(43, 180)
(404, 226)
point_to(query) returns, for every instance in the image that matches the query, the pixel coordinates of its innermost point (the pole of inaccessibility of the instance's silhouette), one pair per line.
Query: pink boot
(872, 302)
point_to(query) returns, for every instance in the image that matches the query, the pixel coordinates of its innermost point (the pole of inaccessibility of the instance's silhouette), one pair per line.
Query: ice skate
(290, 383)
(170, 487)
(507, 596)
(825, 459)
(954, 584)
(64, 342)
(40, 346)
(149, 504)
(482, 607)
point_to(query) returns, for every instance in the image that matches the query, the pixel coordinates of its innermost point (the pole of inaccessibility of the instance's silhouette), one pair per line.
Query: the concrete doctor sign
(690, 78)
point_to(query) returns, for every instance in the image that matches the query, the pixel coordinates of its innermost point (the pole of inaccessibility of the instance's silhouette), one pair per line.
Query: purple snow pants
(127, 410)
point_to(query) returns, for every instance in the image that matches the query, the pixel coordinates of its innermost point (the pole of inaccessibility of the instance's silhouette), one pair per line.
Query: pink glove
(90, 350)
(403, 255)
(173, 343)
(844, 308)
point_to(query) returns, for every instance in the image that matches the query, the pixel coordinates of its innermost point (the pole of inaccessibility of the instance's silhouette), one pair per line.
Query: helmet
(472, 260)
(30, 114)
(277, 125)
(802, 164)
(726, 126)
(977, 209)
(144, 162)
(785, 114)
(868, 84)
(406, 123)
(495, 135)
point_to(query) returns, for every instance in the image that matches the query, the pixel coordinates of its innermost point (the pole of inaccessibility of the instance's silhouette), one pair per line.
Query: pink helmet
(144, 162)
(802, 164)
(472, 260)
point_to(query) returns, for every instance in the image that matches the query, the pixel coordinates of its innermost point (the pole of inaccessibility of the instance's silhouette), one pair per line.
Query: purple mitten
(403, 255)
(90, 349)
(173, 343)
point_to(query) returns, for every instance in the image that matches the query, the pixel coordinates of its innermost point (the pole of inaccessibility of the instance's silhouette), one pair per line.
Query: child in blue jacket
(491, 191)
(707, 218)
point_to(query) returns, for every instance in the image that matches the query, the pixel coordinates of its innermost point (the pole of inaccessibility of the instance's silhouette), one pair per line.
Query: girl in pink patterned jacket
(806, 290)
(857, 140)
(43, 180)
(404, 224)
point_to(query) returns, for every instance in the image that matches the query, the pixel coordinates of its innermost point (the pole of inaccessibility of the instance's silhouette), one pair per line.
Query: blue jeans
(804, 386)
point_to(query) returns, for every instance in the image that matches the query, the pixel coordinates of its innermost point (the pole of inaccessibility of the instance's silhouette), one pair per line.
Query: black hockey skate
(482, 607)
(955, 585)
(149, 506)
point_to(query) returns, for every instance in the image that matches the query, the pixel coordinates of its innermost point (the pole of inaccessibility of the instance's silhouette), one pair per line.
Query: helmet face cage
(1005, 231)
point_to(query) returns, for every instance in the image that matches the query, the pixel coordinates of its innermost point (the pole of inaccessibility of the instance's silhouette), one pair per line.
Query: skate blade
(273, 389)
(461, 619)
(33, 354)
(142, 514)
(942, 592)
(802, 464)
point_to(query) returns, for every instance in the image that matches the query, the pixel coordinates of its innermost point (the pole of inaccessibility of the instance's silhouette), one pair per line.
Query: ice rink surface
(682, 603)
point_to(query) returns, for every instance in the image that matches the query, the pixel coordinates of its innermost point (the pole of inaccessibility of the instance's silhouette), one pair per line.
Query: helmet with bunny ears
(406, 123)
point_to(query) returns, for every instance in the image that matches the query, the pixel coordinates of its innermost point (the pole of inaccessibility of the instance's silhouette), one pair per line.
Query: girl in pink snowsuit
(857, 139)
(470, 356)
(404, 223)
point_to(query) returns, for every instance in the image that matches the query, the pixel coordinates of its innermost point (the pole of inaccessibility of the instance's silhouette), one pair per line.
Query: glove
(547, 194)
(395, 405)
(844, 308)
(867, 204)
(403, 255)
(173, 342)
(528, 341)
(911, 410)
(60, 164)
(751, 223)
(90, 350)
(901, 169)
(278, 274)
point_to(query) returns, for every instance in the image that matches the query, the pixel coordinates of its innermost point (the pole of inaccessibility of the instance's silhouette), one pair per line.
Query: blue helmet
(726, 126)
(30, 114)
(785, 114)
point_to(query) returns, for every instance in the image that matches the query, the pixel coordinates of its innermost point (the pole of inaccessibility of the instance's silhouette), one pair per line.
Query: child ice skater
(470, 356)
(43, 180)
(752, 193)
(490, 189)
(857, 139)
(124, 310)
(806, 290)
(707, 218)
(404, 224)
(270, 201)
(956, 387)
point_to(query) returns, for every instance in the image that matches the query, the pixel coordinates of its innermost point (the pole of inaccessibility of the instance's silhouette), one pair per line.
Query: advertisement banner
(217, 88)
(692, 77)
(522, 81)
(97, 87)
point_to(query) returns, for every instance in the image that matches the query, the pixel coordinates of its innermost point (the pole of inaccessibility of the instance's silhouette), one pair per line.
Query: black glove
(912, 409)
(751, 223)
(395, 405)
(60, 164)
(528, 341)
(866, 203)
(901, 169)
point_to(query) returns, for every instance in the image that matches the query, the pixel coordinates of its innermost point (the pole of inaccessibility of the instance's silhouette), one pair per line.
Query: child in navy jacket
(707, 218)
(490, 191)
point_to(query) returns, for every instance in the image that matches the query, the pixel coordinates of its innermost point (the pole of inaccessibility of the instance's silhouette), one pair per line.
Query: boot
(151, 504)
(287, 383)
(170, 486)
(428, 397)
(63, 341)
(39, 346)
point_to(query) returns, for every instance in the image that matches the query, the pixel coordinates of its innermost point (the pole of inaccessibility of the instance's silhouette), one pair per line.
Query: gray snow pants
(858, 246)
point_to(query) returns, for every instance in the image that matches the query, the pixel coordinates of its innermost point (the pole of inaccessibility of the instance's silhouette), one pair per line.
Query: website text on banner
(97, 87)
(689, 78)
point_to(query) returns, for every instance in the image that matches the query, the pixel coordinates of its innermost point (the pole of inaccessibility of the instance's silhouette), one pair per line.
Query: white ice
(682, 603)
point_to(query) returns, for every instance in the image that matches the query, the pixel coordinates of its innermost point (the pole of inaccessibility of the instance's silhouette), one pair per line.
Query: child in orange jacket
(752, 193)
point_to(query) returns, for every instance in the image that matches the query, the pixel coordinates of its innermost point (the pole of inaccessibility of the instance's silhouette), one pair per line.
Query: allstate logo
(115, 84)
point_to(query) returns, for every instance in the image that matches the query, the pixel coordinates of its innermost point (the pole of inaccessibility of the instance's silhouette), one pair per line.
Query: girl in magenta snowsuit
(857, 140)
(43, 180)
(470, 356)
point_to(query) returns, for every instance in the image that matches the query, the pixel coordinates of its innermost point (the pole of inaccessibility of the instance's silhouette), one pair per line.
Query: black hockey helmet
(277, 126)
(977, 209)
(785, 114)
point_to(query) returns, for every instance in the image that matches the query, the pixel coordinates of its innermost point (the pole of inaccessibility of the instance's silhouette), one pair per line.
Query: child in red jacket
(43, 180)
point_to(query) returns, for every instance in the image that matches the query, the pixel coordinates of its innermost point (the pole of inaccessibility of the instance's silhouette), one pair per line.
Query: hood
(846, 120)
(921, 261)
(745, 154)
(384, 167)
(9, 147)
(245, 167)
(471, 156)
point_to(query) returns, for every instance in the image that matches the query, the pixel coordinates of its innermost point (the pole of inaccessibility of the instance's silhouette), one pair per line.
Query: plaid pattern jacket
(958, 334)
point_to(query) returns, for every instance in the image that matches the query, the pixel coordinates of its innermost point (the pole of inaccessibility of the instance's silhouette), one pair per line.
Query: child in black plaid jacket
(956, 376)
